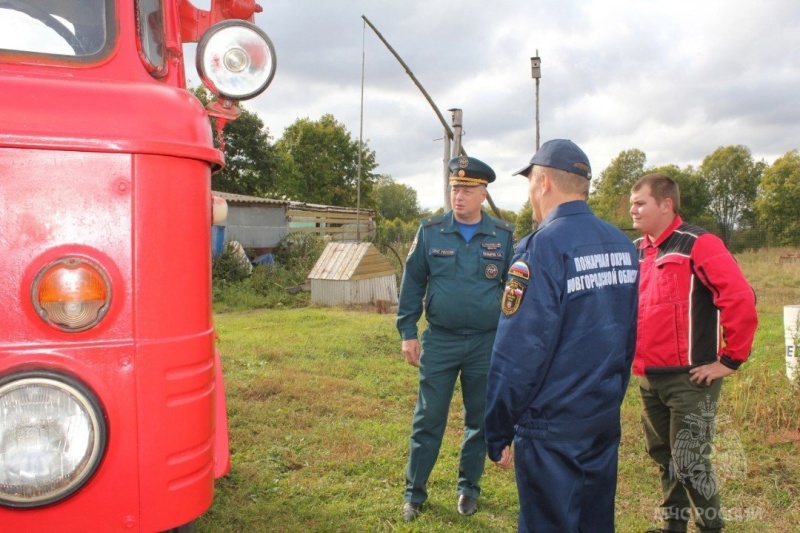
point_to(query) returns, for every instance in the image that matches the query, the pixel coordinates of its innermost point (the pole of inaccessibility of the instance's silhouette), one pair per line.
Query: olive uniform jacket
(461, 282)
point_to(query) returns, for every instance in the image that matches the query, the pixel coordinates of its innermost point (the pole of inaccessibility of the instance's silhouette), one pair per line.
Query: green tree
(396, 200)
(732, 178)
(778, 198)
(695, 196)
(610, 196)
(524, 221)
(318, 163)
(504, 214)
(250, 162)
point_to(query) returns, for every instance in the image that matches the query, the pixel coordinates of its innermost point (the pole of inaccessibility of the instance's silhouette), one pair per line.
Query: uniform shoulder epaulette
(432, 221)
(502, 224)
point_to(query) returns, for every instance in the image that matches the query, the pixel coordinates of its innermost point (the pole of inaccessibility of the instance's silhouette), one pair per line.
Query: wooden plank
(327, 230)
(305, 215)
(341, 210)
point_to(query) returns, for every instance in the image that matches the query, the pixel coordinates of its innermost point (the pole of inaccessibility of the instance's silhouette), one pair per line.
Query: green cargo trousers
(446, 356)
(679, 419)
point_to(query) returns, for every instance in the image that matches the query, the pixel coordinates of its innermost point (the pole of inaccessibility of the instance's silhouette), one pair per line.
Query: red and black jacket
(695, 305)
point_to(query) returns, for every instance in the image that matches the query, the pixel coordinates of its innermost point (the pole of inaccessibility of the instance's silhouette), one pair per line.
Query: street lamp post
(536, 74)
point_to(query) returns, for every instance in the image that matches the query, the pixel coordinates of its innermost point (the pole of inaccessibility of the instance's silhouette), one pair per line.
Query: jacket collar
(646, 242)
(449, 224)
(575, 207)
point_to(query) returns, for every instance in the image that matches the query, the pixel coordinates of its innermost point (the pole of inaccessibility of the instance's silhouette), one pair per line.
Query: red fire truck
(112, 413)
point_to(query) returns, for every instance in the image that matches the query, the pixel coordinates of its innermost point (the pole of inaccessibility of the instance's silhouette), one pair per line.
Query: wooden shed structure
(336, 223)
(352, 273)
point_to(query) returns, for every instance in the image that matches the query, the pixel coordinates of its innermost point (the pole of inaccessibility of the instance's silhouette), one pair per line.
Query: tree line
(314, 161)
(747, 203)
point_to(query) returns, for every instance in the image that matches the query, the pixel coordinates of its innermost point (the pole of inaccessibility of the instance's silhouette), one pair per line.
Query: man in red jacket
(697, 320)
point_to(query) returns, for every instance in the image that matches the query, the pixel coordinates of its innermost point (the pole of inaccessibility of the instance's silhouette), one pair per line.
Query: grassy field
(320, 404)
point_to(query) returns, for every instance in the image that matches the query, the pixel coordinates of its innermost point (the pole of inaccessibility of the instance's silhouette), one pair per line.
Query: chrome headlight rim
(84, 397)
(202, 58)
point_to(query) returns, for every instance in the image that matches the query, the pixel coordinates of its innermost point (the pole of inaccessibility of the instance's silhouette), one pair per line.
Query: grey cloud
(673, 78)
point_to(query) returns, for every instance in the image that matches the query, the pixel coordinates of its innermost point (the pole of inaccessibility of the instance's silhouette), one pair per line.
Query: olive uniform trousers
(446, 356)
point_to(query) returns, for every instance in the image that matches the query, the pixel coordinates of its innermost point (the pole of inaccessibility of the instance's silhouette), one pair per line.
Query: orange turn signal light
(71, 294)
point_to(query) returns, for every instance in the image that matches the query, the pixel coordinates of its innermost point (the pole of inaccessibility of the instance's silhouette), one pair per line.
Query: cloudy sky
(674, 78)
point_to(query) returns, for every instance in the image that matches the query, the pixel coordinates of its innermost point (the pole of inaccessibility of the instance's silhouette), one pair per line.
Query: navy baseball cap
(469, 172)
(562, 154)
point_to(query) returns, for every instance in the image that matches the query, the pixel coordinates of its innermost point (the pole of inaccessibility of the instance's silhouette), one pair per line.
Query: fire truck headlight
(71, 294)
(52, 438)
(235, 60)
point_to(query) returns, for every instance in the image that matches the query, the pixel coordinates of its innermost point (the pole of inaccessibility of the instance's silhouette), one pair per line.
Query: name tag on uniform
(492, 254)
(442, 252)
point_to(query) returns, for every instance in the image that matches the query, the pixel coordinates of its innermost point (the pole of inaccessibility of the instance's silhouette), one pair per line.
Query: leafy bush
(395, 231)
(228, 266)
(268, 286)
(298, 253)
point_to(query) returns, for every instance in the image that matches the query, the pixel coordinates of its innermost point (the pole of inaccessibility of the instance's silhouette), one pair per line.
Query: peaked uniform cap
(469, 172)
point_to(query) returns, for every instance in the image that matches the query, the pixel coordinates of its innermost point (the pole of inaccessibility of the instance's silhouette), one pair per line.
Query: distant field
(320, 404)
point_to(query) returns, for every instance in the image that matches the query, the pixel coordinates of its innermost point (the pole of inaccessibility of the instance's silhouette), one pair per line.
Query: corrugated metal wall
(333, 292)
(256, 226)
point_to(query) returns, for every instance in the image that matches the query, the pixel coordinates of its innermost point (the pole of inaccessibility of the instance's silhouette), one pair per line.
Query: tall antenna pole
(360, 136)
(536, 73)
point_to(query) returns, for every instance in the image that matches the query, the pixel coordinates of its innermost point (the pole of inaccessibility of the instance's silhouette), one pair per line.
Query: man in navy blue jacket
(562, 357)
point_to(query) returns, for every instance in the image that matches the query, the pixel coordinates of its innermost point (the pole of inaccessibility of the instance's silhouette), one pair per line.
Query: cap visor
(523, 171)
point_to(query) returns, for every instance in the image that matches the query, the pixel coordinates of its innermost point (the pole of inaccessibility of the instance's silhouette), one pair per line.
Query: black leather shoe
(467, 505)
(411, 511)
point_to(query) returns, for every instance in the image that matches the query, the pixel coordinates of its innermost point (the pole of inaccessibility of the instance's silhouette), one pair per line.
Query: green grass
(320, 404)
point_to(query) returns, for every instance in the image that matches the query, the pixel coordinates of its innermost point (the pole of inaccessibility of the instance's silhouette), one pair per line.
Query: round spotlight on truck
(236, 60)
(71, 294)
(52, 438)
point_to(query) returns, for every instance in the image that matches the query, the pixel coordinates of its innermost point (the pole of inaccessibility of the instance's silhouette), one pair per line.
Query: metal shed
(257, 223)
(352, 273)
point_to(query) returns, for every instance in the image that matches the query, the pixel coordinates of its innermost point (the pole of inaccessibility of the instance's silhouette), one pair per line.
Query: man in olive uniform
(456, 267)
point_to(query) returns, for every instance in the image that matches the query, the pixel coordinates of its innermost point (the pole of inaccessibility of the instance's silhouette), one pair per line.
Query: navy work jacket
(562, 357)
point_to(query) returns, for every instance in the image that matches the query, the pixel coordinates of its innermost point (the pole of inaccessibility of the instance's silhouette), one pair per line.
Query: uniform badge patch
(491, 271)
(512, 297)
(520, 269)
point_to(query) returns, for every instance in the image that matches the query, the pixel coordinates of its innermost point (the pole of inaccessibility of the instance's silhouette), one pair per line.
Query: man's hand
(706, 374)
(411, 351)
(506, 459)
